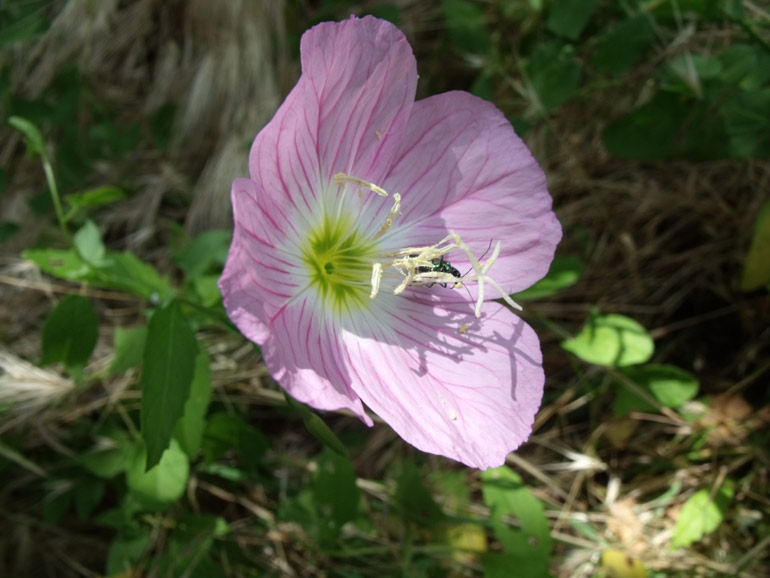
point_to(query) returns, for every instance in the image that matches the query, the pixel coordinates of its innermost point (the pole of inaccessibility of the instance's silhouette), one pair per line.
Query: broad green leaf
(335, 494)
(94, 197)
(111, 456)
(129, 348)
(413, 500)
(207, 290)
(554, 73)
(127, 550)
(31, 134)
(744, 66)
(169, 366)
(467, 26)
(123, 271)
(226, 432)
(88, 244)
(620, 47)
(756, 267)
(650, 132)
(88, 492)
(529, 546)
(70, 332)
(746, 117)
(189, 429)
(613, 340)
(64, 264)
(700, 515)
(670, 385)
(206, 251)
(568, 18)
(127, 272)
(186, 552)
(498, 565)
(317, 426)
(564, 272)
(163, 483)
(687, 74)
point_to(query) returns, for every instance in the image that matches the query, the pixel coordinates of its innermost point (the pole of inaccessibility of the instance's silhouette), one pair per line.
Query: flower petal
(262, 289)
(463, 168)
(261, 274)
(305, 356)
(470, 396)
(344, 115)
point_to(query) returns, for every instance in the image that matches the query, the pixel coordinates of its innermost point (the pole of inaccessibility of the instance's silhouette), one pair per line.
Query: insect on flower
(359, 200)
(440, 265)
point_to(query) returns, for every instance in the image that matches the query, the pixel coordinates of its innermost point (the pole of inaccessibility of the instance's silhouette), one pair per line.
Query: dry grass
(662, 242)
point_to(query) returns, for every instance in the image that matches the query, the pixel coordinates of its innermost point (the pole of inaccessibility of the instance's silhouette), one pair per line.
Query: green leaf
(88, 243)
(23, 29)
(127, 272)
(169, 366)
(756, 267)
(127, 550)
(467, 26)
(186, 552)
(687, 73)
(507, 497)
(189, 429)
(225, 432)
(165, 482)
(94, 197)
(612, 340)
(207, 250)
(746, 116)
(88, 493)
(207, 290)
(64, 264)
(70, 332)
(554, 73)
(122, 271)
(413, 500)
(336, 494)
(670, 385)
(620, 47)
(31, 134)
(650, 132)
(316, 426)
(700, 515)
(111, 455)
(129, 348)
(564, 272)
(568, 18)
(744, 66)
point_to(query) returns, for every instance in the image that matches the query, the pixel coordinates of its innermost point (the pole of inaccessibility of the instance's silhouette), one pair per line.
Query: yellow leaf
(618, 564)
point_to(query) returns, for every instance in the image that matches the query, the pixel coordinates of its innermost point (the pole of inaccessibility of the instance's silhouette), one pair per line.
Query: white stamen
(393, 212)
(341, 178)
(376, 277)
(417, 264)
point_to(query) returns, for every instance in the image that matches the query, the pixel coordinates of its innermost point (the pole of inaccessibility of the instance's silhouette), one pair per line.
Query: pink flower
(363, 211)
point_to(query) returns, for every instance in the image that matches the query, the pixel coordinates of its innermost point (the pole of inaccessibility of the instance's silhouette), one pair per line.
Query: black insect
(440, 265)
